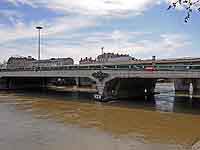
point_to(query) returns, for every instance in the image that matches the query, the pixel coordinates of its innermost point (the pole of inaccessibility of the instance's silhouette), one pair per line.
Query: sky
(79, 28)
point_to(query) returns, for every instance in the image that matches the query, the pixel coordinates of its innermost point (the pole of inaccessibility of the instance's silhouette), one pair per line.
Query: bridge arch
(120, 87)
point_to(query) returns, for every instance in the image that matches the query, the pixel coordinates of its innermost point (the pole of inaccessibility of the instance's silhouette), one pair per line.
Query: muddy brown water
(60, 121)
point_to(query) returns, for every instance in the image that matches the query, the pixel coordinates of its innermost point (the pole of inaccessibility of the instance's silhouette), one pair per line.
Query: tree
(188, 5)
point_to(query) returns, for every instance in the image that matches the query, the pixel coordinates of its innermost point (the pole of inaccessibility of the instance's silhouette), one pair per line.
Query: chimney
(153, 58)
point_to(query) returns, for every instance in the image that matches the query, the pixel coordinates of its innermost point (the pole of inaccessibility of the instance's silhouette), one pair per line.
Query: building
(19, 62)
(106, 58)
(3, 66)
(29, 62)
(111, 57)
(53, 62)
(87, 60)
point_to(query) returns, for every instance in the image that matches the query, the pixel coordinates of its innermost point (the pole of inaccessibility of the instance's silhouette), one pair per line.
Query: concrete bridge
(108, 82)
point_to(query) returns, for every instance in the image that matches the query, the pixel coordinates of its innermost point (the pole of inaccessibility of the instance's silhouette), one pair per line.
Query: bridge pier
(3, 83)
(196, 86)
(182, 85)
(150, 86)
(77, 80)
(23, 83)
(101, 89)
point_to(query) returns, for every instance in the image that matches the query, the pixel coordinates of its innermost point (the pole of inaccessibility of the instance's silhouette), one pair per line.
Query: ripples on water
(49, 120)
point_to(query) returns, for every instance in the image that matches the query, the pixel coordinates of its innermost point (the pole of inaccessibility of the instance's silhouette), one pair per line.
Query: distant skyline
(80, 28)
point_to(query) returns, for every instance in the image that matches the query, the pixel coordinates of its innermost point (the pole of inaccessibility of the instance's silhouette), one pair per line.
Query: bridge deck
(112, 73)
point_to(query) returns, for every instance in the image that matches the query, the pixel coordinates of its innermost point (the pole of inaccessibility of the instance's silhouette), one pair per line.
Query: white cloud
(12, 15)
(165, 46)
(184, 6)
(59, 25)
(137, 44)
(93, 7)
(90, 45)
(20, 39)
(75, 44)
(18, 2)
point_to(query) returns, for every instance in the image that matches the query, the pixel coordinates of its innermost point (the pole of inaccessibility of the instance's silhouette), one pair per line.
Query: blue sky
(80, 28)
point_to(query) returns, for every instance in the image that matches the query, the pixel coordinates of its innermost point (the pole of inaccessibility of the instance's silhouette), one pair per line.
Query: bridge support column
(25, 83)
(3, 83)
(182, 85)
(10, 83)
(77, 80)
(196, 86)
(150, 87)
(101, 88)
(43, 83)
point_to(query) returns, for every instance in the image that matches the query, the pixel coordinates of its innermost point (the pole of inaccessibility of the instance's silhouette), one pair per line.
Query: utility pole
(102, 58)
(102, 50)
(39, 28)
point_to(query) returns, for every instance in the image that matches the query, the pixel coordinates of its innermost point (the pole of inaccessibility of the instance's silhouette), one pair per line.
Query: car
(150, 68)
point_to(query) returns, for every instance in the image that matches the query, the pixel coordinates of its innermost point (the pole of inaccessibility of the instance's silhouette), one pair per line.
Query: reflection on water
(169, 101)
(58, 120)
(165, 100)
(164, 104)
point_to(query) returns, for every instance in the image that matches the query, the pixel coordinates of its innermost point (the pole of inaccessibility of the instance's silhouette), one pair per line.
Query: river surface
(65, 121)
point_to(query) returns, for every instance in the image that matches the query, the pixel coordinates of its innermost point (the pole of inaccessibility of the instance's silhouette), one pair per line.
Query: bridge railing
(132, 67)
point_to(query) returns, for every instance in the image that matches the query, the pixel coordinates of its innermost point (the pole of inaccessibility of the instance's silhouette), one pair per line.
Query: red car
(150, 68)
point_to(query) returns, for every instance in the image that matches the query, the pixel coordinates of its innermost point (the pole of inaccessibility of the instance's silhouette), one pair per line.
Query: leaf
(174, 5)
(170, 6)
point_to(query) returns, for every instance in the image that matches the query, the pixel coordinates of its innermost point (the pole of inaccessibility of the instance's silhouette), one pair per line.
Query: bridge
(110, 80)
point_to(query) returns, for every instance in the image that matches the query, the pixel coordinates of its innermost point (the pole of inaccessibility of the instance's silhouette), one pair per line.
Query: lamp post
(102, 50)
(39, 28)
(102, 58)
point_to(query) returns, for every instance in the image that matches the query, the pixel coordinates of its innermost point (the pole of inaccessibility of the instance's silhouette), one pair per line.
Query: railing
(111, 67)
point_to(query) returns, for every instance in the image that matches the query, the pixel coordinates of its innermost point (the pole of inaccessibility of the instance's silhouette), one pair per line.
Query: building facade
(29, 62)
(112, 57)
(87, 60)
(19, 62)
(53, 62)
(106, 58)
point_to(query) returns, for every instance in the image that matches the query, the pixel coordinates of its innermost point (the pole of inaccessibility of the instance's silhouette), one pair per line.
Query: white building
(3, 66)
(111, 57)
(29, 62)
(53, 62)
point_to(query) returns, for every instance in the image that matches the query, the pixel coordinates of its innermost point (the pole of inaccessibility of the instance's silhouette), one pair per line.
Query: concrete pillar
(44, 83)
(196, 86)
(181, 85)
(150, 86)
(3, 83)
(10, 84)
(100, 88)
(77, 80)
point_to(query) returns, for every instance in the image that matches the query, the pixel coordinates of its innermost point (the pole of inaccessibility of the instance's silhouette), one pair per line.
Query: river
(65, 121)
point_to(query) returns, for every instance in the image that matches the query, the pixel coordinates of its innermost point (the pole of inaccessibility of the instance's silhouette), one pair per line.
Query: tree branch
(189, 5)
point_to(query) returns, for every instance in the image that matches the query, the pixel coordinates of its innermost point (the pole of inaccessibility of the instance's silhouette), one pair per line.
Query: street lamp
(102, 50)
(39, 28)
(102, 53)
(102, 58)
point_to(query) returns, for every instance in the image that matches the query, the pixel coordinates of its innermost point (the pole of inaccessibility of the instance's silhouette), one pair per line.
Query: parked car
(150, 68)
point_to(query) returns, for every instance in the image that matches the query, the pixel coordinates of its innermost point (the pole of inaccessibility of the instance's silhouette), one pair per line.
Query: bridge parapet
(115, 73)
